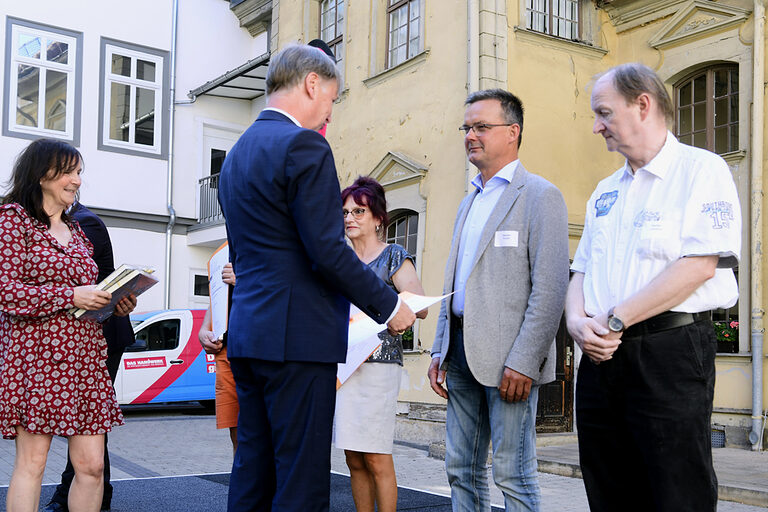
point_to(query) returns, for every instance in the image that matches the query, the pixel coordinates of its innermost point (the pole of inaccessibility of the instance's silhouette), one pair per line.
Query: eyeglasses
(356, 212)
(480, 128)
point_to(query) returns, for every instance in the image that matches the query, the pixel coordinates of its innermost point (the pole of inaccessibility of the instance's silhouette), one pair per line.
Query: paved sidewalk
(184, 442)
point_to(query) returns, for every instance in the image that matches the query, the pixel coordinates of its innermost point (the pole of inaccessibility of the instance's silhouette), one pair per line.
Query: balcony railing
(210, 211)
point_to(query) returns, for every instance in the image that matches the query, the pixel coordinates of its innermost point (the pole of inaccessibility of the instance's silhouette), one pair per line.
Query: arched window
(707, 109)
(403, 229)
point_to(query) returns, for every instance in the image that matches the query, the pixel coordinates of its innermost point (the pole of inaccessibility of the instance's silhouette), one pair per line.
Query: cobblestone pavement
(186, 442)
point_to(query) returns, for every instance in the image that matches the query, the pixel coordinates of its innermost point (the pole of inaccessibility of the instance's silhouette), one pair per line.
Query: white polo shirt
(682, 203)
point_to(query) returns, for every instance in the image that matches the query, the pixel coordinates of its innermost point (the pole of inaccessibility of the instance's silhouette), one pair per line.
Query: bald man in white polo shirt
(661, 237)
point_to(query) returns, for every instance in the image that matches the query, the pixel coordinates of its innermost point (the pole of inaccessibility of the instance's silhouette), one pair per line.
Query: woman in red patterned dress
(53, 374)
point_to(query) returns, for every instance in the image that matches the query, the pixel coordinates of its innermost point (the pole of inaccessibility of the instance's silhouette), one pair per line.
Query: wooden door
(555, 409)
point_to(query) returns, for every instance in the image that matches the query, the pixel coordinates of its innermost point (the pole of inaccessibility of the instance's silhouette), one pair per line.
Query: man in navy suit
(295, 278)
(118, 333)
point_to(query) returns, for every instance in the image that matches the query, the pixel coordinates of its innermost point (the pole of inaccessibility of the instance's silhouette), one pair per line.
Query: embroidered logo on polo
(721, 213)
(646, 217)
(605, 202)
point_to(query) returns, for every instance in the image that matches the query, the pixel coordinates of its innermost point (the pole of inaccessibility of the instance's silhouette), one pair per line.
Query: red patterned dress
(53, 372)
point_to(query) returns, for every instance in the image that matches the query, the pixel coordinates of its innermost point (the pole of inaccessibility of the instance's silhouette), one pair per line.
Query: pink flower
(726, 335)
(734, 325)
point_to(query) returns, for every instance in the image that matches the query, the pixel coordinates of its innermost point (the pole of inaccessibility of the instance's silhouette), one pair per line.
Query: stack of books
(127, 279)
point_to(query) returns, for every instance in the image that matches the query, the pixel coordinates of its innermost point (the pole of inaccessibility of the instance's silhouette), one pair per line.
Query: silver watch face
(615, 324)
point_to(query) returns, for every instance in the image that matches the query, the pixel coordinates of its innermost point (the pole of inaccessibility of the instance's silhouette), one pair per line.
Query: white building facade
(101, 76)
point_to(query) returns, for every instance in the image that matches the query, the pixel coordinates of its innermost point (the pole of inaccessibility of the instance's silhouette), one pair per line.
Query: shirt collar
(659, 164)
(286, 114)
(504, 176)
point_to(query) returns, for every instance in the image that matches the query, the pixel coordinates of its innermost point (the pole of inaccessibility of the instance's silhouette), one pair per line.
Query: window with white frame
(43, 76)
(558, 18)
(404, 20)
(332, 27)
(133, 99)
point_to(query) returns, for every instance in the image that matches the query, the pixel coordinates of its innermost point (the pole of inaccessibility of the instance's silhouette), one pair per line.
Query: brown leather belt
(665, 321)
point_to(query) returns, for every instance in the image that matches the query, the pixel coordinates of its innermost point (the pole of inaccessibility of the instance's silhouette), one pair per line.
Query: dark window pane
(734, 78)
(700, 140)
(721, 140)
(201, 286)
(700, 89)
(411, 244)
(27, 99)
(57, 52)
(145, 70)
(162, 335)
(401, 227)
(686, 139)
(734, 142)
(56, 100)
(217, 160)
(121, 65)
(685, 94)
(700, 117)
(119, 111)
(145, 116)
(413, 223)
(684, 121)
(734, 99)
(721, 82)
(721, 111)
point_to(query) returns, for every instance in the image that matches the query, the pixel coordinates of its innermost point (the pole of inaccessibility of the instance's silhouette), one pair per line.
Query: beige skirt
(366, 408)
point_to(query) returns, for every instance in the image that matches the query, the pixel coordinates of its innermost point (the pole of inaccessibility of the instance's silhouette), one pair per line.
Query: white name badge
(505, 239)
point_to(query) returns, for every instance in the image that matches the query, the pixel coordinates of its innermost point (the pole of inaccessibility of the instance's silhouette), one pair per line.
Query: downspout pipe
(473, 63)
(169, 183)
(756, 221)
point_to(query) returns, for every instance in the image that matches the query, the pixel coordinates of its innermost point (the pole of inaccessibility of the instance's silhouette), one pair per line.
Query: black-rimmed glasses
(480, 128)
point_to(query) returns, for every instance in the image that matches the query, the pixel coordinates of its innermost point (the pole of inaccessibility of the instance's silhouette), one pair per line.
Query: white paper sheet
(364, 339)
(219, 291)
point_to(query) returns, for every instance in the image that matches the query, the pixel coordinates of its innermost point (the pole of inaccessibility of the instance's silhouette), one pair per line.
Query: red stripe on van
(188, 355)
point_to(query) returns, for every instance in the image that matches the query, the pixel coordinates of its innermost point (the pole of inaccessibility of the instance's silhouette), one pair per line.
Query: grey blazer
(514, 295)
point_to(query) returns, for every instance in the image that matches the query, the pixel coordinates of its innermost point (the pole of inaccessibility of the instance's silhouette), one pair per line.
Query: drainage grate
(718, 438)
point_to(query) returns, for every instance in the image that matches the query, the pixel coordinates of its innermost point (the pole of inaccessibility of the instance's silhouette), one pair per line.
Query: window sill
(531, 36)
(736, 356)
(36, 133)
(734, 157)
(403, 66)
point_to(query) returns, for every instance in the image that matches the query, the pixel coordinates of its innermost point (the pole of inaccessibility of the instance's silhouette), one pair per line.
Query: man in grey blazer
(508, 267)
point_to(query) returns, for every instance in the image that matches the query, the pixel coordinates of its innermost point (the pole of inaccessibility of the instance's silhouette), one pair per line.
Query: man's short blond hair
(289, 66)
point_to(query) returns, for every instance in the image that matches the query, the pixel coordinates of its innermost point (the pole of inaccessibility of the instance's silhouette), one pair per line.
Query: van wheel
(208, 405)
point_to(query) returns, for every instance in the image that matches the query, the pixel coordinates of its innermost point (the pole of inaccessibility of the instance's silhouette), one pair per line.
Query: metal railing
(210, 211)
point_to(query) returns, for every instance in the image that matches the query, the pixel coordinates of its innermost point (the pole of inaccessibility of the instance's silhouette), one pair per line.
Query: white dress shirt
(486, 197)
(682, 203)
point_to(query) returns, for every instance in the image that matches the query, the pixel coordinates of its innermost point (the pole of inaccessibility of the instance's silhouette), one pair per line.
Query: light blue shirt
(485, 200)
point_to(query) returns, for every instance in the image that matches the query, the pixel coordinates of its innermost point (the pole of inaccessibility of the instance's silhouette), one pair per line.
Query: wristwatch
(614, 323)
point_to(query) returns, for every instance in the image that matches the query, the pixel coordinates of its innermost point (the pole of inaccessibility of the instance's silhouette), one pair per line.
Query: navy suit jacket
(117, 330)
(296, 274)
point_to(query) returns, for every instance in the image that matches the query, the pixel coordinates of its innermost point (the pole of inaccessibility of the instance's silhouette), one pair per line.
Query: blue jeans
(476, 415)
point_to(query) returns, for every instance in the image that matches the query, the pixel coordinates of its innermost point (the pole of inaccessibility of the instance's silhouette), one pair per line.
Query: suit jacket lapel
(506, 201)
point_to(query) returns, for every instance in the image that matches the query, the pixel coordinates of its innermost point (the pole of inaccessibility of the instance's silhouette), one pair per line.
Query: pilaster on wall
(493, 44)
(274, 32)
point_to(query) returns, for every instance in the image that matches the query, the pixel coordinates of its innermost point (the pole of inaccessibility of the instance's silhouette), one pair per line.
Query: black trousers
(283, 457)
(643, 422)
(61, 494)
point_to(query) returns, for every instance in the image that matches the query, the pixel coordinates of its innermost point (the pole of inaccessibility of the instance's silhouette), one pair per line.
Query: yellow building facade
(408, 65)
